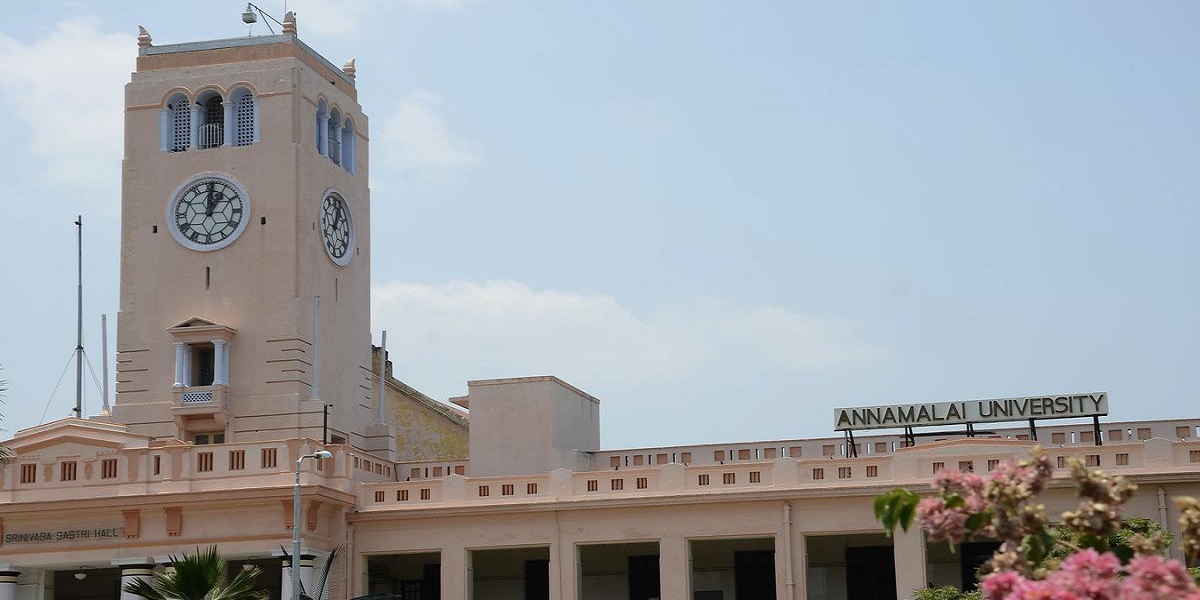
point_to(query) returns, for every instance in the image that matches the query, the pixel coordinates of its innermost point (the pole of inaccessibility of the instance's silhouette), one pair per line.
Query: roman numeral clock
(208, 212)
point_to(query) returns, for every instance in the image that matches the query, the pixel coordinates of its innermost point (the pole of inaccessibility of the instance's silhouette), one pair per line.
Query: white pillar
(220, 362)
(197, 116)
(323, 135)
(337, 133)
(674, 568)
(909, 555)
(227, 135)
(131, 572)
(8, 585)
(183, 355)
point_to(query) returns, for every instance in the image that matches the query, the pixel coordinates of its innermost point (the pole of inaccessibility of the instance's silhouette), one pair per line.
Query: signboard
(63, 535)
(1057, 406)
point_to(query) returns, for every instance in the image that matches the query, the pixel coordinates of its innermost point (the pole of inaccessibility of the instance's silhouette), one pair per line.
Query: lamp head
(249, 17)
(322, 454)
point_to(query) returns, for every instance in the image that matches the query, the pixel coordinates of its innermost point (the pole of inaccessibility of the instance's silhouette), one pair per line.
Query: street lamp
(318, 455)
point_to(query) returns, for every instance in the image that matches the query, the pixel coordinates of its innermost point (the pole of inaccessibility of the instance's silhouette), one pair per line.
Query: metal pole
(295, 566)
(79, 325)
(104, 351)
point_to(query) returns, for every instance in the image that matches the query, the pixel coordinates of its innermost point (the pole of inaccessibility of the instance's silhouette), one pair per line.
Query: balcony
(200, 407)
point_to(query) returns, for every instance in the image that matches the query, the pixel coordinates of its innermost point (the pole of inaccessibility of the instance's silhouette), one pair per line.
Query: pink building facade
(244, 343)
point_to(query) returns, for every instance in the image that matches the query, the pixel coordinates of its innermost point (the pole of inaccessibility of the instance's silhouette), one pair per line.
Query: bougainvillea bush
(1084, 554)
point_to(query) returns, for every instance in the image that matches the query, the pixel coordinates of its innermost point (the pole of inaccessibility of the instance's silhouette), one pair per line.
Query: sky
(723, 219)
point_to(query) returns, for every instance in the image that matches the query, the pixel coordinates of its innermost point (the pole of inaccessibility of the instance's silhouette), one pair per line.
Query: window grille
(643, 483)
(531, 488)
(506, 489)
(938, 466)
(1091, 460)
(28, 473)
(181, 125)
(424, 493)
(268, 458)
(1123, 458)
(402, 495)
(872, 471)
(335, 147)
(993, 463)
(729, 478)
(755, 476)
(818, 473)
(68, 471)
(379, 496)
(703, 479)
(593, 485)
(237, 460)
(108, 468)
(617, 485)
(204, 462)
(844, 473)
(244, 120)
(484, 491)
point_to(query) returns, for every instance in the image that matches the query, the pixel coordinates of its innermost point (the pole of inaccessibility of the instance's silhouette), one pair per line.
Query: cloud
(321, 17)
(66, 88)
(467, 330)
(413, 136)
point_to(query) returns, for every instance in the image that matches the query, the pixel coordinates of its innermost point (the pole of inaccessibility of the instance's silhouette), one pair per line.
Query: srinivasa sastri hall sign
(971, 412)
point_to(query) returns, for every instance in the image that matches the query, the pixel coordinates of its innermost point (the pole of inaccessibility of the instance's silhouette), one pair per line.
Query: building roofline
(241, 42)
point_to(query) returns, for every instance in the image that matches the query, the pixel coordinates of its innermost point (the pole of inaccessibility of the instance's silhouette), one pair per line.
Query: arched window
(212, 121)
(245, 117)
(335, 134)
(348, 146)
(322, 128)
(177, 124)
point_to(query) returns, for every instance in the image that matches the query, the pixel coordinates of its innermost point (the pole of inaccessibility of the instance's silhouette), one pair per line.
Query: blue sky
(723, 219)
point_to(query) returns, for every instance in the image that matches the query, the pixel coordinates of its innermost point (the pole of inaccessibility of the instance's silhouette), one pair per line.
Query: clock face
(208, 213)
(337, 228)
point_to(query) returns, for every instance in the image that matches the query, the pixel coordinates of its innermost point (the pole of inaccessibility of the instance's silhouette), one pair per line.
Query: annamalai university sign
(1057, 406)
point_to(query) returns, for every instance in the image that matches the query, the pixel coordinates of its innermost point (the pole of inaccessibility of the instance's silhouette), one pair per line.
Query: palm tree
(6, 453)
(199, 576)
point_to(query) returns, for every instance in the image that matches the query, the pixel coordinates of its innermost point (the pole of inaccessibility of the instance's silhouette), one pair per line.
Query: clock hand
(210, 202)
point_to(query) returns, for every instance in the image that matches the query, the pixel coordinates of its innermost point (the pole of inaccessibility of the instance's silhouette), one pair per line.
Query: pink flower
(941, 522)
(1154, 577)
(1089, 574)
(998, 586)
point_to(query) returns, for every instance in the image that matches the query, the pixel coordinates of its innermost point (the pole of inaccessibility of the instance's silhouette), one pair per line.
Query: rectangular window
(718, 456)
(157, 464)
(872, 471)
(743, 455)
(881, 447)
(1194, 455)
(1058, 438)
(993, 463)
(424, 493)
(794, 451)
(108, 468)
(703, 479)
(755, 476)
(202, 439)
(966, 466)
(617, 484)
(770, 453)
(67, 471)
(828, 450)
(1123, 459)
(460, 469)
(1087, 437)
(642, 483)
(1060, 462)
(1091, 460)
(28, 473)
(204, 462)
(1115, 435)
(268, 457)
(843, 472)
(1143, 433)
(818, 473)
(1182, 432)
(402, 495)
(531, 488)
(660, 459)
(483, 491)
(729, 478)
(379, 497)
(686, 457)
(237, 460)
(938, 466)
(202, 364)
(593, 485)
(506, 489)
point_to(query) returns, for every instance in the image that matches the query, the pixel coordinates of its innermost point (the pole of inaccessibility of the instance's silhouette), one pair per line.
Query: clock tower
(245, 247)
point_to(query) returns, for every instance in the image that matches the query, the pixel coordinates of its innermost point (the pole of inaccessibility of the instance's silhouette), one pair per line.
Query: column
(8, 585)
(337, 133)
(456, 572)
(323, 134)
(909, 552)
(183, 355)
(285, 591)
(220, 362)
(197, 117)
(227, 135)
(129, 573)
(674, 568)
(307, 574)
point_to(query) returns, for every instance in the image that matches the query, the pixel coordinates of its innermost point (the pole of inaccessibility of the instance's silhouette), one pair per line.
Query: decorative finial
(348, 68)
(143, 37)
(289, 23)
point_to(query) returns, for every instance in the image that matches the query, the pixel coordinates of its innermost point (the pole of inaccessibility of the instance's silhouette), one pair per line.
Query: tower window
(335, 135)
(177, 125)
(203, 364)
(212, 122)
(322, 128)
(245, 123)
(348, 146)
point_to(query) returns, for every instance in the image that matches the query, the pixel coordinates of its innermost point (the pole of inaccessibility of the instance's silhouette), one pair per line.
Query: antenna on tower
(79, 327)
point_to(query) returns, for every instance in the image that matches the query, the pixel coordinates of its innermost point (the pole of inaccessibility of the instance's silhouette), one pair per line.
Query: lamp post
(318, 455)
